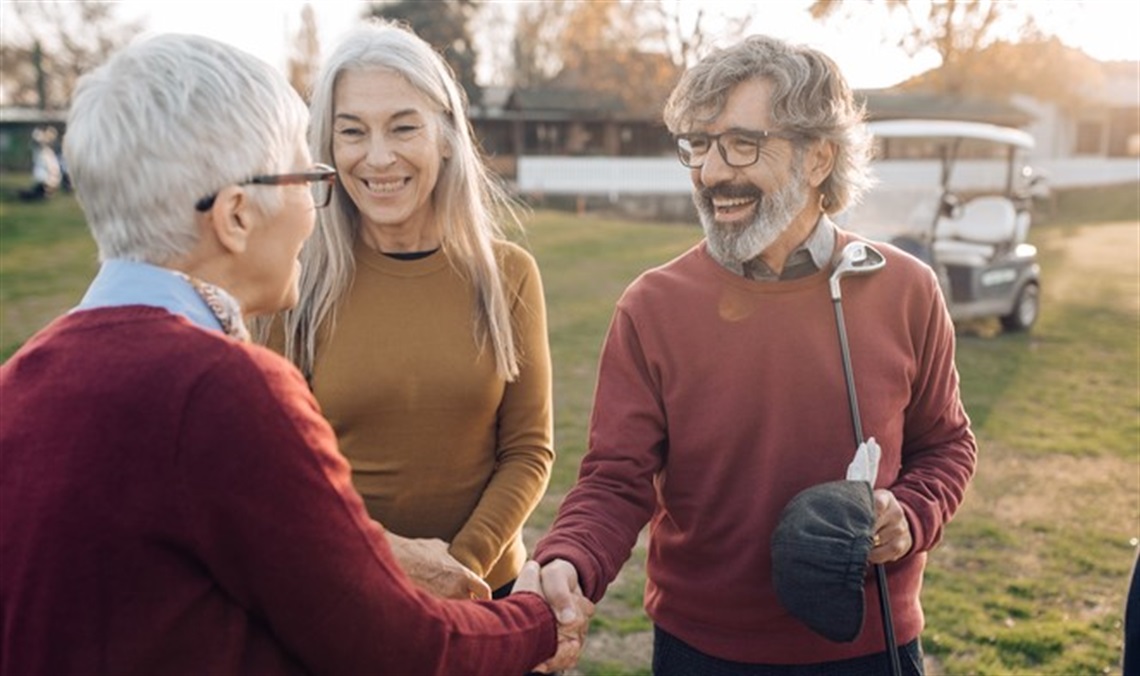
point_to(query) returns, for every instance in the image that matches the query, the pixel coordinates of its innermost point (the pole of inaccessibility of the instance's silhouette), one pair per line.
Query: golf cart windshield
(921, 165)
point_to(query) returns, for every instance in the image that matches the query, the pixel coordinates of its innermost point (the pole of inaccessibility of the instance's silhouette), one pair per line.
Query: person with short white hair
(171, 499)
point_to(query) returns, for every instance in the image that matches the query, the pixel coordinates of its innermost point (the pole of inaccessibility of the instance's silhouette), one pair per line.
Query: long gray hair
(468, 199)
(809, 97)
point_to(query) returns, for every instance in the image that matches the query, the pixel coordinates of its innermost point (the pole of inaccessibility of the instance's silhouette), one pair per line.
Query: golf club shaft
(888, 622)
(880, 569)
(849, 376)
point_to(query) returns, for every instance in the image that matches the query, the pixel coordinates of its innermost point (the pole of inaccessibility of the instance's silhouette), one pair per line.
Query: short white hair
(169, 120)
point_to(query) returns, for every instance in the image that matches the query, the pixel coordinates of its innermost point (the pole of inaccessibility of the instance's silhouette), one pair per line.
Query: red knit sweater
(172, 501)
(719, 399)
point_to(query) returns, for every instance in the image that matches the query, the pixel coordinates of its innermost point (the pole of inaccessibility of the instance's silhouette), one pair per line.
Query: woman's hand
(427, 562)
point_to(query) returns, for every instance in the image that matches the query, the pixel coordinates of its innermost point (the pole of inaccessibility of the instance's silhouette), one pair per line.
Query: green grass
(47, 258)
(1099, 204)
(586, 264)
(1069, 386)
(1030, 577)
(1033, 572)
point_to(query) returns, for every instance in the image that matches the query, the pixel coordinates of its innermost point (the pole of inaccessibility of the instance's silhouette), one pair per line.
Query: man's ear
(819, 161)
(232, 218)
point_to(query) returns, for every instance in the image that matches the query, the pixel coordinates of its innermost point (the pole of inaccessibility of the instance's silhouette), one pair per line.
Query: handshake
(557, 582)
(427, 562)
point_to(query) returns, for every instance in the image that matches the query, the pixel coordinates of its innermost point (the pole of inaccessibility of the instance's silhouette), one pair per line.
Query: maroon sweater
(172, 501)
(719, 399)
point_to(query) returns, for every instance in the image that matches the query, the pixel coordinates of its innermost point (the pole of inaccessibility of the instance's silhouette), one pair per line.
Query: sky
(1105, 29)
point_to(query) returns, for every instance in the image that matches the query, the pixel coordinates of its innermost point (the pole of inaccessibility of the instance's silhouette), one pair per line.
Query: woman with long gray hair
(421, 329)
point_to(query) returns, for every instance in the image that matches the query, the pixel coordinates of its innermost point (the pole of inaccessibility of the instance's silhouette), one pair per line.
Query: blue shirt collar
(121, 282)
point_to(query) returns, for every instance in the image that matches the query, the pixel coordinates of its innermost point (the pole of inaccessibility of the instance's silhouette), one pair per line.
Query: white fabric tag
(865, 466)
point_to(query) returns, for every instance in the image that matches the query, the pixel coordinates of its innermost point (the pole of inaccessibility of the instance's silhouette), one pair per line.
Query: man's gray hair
(169, 120)
(809, 97)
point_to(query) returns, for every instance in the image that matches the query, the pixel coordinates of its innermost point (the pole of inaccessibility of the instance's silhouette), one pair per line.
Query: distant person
(171, 499)
(46, 171)
(721, 394)
(421, 329)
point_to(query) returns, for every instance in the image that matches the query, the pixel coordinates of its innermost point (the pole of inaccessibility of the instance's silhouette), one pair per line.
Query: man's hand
(560, 587)
(427, 562)
(572, 609)
(892, 539)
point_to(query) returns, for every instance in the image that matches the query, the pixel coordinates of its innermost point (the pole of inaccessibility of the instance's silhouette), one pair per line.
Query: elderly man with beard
(721, 390)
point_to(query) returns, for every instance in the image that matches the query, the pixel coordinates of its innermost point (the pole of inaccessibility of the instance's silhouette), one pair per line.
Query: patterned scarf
(224, 306)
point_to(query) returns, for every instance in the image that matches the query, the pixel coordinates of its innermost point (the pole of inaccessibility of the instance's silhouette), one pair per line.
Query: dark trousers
(503, 592)
(674, 657)
(1131, 657)
(37, 192)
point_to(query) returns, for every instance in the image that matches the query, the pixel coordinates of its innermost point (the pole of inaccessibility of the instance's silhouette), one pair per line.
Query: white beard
(734, 245)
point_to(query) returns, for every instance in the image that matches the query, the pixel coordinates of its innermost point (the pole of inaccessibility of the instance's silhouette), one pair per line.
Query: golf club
(860, 258)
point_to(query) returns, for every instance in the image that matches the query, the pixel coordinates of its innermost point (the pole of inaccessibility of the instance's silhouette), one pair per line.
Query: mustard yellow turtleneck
(440, 446)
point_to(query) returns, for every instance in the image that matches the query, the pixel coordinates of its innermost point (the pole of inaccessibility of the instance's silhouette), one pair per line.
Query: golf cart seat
(986, 225)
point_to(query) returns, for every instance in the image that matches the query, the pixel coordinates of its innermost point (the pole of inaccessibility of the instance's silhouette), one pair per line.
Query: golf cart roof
(950, 129)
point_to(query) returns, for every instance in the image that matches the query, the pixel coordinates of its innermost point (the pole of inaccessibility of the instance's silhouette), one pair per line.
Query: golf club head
(857, 258)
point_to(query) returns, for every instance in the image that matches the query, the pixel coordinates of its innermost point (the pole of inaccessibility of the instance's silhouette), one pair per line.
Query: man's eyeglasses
(321, 179)
(739, 147)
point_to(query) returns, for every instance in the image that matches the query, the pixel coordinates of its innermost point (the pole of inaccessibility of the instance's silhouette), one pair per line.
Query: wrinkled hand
(429, 564)
(892, 532)
(559, 581)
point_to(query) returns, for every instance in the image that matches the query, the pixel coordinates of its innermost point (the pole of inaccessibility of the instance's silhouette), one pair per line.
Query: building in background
(567, 143)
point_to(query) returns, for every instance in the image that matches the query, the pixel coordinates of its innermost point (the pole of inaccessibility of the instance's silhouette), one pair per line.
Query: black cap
(819, 557)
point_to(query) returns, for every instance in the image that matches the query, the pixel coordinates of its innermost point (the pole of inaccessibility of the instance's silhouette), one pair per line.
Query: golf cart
(966, 214)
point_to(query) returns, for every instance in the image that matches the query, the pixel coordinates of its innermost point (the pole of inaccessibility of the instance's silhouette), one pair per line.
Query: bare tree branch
(305, 56)
(71, 38)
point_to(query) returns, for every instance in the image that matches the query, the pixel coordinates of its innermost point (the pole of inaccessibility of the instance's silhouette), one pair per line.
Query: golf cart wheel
(1025, 310)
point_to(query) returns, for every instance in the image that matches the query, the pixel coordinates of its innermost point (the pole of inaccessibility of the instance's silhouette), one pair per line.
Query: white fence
(605, 176)
(1078, 172)
(614, 177)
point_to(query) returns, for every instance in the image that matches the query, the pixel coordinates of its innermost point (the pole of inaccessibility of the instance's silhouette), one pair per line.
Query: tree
(535, 49)
(604, 49)
(633, 50)
(954, 28)
(1043, 68)
(444, 24)
(51, 44)
(306, 54)
(688, 29)
(976, 60)
(493, 28)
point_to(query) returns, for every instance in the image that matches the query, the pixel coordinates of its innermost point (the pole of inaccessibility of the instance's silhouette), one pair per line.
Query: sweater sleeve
(614, 497)
(524, 453)
(939, 451)
(276, 521)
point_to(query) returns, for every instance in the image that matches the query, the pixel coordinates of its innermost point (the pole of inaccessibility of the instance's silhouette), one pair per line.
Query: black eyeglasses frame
(319, 173)
(760, 136)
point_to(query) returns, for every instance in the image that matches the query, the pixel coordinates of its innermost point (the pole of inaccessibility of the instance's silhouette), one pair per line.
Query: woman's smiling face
(388, 147)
